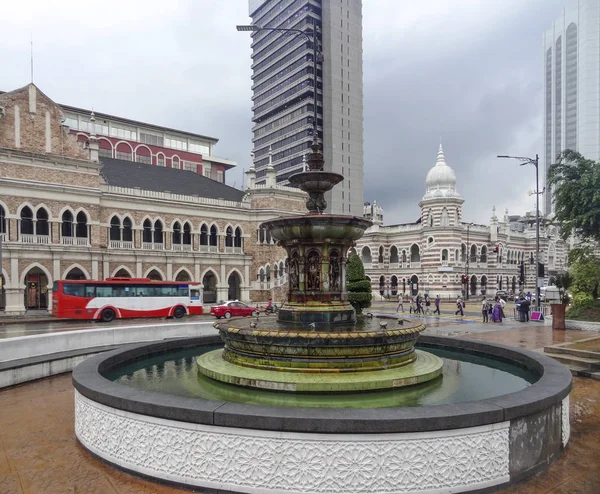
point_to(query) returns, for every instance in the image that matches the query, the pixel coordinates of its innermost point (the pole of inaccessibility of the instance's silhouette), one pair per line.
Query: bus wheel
(107, 315)
(179, 312)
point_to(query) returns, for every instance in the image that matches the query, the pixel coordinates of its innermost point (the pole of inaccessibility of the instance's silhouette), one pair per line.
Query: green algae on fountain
(315, 347)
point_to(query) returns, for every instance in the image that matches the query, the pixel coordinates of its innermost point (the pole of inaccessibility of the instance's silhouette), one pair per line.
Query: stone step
(576, 363)
(572, 351)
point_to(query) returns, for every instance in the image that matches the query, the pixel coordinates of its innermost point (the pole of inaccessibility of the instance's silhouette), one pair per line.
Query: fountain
(316, 346)
(320, 401)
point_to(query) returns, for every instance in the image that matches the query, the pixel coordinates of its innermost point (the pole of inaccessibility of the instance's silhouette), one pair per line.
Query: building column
(222, 288)
(169, 269)
(105, 269)
(245, 285)
(94, 269)
(15, 293)
(138, 269)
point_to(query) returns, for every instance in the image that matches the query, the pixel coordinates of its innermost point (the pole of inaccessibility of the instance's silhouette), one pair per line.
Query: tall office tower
(283, 96)
(572, 85)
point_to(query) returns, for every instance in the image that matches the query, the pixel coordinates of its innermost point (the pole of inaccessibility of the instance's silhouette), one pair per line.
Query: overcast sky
(468, 70)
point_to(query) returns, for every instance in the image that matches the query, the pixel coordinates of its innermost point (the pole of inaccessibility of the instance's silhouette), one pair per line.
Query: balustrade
(35, 239)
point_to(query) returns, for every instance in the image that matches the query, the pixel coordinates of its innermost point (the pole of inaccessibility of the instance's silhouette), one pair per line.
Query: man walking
(485, 310)
(427, 305)
(400, 302)
(412, 304)
(459, 307)
(437, 305)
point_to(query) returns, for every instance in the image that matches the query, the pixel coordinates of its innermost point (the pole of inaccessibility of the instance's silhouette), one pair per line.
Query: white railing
(35, 239)
(444, 262)
(3, 237)
(82, 241)
(209, 248)
(152, 246)
(415, 264)
(233, 250)
(134, 191)
(261, 285)
(182, 247)
(121, 244)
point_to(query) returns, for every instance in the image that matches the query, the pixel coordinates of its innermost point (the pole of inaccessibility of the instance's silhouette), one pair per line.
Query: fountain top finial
(315, 158)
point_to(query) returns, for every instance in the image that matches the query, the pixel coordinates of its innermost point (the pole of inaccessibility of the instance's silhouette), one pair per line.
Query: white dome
(441, 180)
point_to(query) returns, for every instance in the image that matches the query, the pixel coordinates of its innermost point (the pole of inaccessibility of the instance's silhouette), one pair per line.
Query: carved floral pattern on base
(264, 461)
(566, 425)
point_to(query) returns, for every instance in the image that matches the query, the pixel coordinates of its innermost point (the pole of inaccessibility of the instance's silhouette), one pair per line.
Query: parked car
(233, 308)
(502, 294)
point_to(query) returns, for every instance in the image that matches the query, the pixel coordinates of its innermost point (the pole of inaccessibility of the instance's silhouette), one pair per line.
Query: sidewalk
(41, 316)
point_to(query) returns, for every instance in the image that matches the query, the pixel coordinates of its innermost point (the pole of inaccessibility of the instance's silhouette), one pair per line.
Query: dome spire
(441, 159)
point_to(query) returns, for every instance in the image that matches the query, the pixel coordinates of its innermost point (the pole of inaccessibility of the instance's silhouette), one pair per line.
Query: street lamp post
(467, 264)
(535, 162)
(312, 39)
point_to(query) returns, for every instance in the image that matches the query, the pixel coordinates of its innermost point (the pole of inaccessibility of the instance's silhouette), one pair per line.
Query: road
(472, 314)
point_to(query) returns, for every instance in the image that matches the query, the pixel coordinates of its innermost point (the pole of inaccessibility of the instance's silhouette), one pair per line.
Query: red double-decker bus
(120, 298)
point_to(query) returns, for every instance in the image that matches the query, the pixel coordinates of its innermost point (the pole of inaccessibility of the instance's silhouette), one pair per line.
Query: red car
(233, 308)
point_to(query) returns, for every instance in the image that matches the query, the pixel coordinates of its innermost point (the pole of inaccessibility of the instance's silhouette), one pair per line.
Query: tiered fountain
(499, 414)
(315, 344)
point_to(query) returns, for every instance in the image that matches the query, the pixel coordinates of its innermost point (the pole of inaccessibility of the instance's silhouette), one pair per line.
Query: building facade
(572, 84)
(67, 212)
(435, 253)
(283, 92)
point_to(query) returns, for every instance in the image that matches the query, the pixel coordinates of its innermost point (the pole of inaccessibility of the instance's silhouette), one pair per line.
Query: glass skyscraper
(283, 92)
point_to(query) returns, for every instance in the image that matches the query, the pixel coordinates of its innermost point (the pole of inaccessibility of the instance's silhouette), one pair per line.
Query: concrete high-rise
(283, 94)
(572, 84)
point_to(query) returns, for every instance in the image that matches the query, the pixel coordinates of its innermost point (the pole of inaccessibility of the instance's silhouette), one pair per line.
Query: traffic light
(496, 248)
(522, 273)
(464, 278)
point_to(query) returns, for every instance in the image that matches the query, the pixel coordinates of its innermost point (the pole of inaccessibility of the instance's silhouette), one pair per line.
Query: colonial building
(443, 254)
(70, 211)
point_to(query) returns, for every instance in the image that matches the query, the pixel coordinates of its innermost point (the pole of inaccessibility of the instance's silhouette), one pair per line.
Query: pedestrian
(412, 305)
(419, 304)
(497, 311)
(400, 302)
(525, 306)
(520, 316)
(485, 309)
(459, 307)
(502, 303)
(427, 305)
(437, 305)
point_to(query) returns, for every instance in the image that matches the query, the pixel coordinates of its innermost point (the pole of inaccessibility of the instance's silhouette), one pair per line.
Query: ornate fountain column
(316, 245)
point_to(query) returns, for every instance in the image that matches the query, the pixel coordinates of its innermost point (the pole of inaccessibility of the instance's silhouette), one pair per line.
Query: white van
(550, 294)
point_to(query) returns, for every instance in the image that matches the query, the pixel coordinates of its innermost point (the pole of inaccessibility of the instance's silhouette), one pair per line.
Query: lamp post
(535, 162)
(311, 38)
(467, 263)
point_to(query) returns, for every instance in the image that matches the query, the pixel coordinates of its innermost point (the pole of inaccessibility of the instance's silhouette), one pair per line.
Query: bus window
(104, 291)
(194, 294)
(182, 291)
(90, 291)
(73, 289)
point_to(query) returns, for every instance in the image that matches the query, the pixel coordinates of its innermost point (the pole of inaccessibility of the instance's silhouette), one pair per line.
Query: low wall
(582, 325)
(27, 358)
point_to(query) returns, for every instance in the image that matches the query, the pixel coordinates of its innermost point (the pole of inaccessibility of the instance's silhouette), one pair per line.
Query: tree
(359, 288)
(585, 269)
(576, 184)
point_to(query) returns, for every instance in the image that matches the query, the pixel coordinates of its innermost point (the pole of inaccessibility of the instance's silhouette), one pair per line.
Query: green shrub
(359, 288)
(582, 300)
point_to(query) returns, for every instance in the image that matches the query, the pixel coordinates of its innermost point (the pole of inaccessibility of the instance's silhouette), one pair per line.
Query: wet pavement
(39, 452)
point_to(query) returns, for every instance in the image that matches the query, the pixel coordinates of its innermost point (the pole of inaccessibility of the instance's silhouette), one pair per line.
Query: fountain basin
(238, 447)
(318, 228)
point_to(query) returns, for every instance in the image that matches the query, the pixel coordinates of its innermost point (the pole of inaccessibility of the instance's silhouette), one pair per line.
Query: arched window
(430, 217)
(404, 257)
(81, 230)
(229, 237)
(444, 257)
(158, 232)
(445, 221)
(127, 230)
(237, 241)
(2, 223)
(42, 227)
(394, 285)
(261, 275)
(456, 256)
(365, 255)
(380, 256)
(115, 229)
(483, 257)
(213, 236)
(275, 271)
(187, 234)
(176, 233)
(381, 285)
(268, 273)
(66, 227)
(415, 254)
(203, 234)
(473, 256)
(147, 234)
(394, 255)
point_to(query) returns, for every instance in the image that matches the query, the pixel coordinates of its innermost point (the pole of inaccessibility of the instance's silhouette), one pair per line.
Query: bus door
(195, 299)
